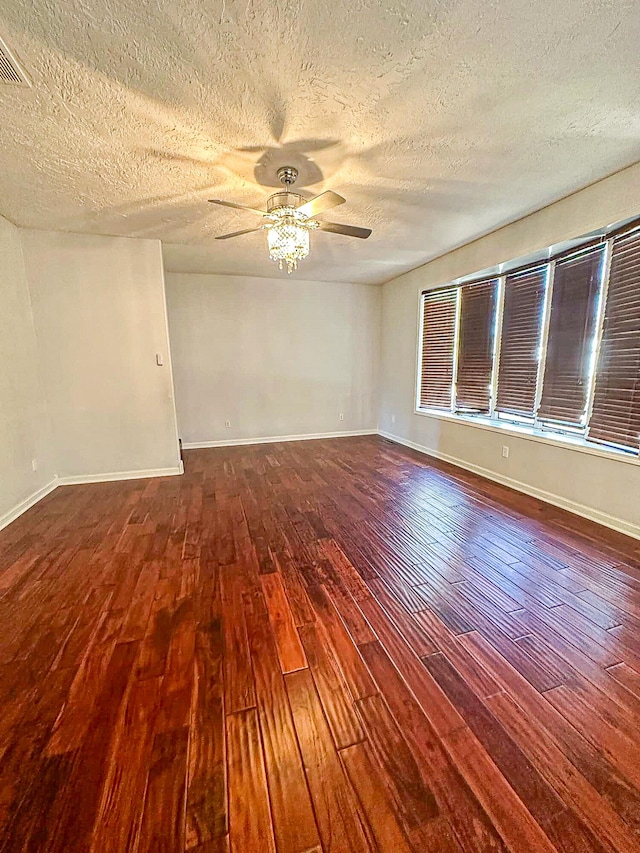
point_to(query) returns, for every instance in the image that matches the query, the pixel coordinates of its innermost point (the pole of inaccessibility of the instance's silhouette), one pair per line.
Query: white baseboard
(27, 503)
(273, 439)
(120, 475)
(33, 499)
(617, 524)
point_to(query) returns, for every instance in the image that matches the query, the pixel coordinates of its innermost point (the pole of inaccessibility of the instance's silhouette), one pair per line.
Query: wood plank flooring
(330, 646)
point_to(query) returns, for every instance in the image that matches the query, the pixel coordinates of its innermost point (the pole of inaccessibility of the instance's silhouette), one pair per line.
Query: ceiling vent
(10, 70)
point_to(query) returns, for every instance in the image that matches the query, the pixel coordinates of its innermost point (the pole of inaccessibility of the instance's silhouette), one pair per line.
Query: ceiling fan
(289, 219)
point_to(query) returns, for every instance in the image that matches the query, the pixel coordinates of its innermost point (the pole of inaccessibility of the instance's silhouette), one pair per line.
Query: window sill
(542, 437)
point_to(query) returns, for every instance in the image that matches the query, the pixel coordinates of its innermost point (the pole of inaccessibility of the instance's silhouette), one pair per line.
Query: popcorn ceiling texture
(438, 121)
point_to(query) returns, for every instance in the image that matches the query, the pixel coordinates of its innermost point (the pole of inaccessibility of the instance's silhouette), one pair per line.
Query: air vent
(10, 70)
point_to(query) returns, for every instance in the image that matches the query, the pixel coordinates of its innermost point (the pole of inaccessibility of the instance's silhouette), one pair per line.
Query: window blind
(616, 407)
(438, 346)
(572, 323)
(475, 349)
(520, 342)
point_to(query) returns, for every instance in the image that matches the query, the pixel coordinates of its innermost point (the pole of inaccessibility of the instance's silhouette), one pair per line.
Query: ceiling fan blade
(322, 202)
(237, 206)
(349, 230)
(238, 233)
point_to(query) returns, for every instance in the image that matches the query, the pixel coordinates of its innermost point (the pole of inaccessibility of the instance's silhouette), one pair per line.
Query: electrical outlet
(505, 451)
(34, 464)
(227, 424)
(341, 416)
(393, 419)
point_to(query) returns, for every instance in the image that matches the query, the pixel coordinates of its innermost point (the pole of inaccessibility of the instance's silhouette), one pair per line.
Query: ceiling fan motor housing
(284, 199)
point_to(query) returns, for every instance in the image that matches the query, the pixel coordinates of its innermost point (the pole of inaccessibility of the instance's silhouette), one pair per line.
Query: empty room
(319, 426)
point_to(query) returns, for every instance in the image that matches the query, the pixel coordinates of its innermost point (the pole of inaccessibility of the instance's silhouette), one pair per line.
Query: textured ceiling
(438, 120)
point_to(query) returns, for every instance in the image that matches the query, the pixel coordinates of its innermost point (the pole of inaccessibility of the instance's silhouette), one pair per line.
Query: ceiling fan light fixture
(288, 243)
(288, 237)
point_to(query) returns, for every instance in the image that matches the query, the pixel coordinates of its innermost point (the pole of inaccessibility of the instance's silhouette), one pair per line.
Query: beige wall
(100, 318)
(605, 489)
(23, 416)
(275, 357)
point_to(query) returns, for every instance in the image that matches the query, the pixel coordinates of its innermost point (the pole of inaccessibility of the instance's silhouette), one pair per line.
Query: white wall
(275, 357)
(99, 311)
(23, 417)
(602, 488)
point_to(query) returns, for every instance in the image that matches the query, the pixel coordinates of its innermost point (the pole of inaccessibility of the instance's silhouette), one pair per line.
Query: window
(554, 346)
(570, 345)
(438, 348)
(475, 350)
(616, 405)
(520, 342)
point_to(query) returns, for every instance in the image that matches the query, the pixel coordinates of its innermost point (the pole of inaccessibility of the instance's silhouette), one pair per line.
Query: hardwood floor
(318, 646)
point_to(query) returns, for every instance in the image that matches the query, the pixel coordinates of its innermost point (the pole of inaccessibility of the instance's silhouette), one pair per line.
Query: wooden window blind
(616, 406)
(438, 348)
(572, 325)
(475, 348)
(520, 342)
